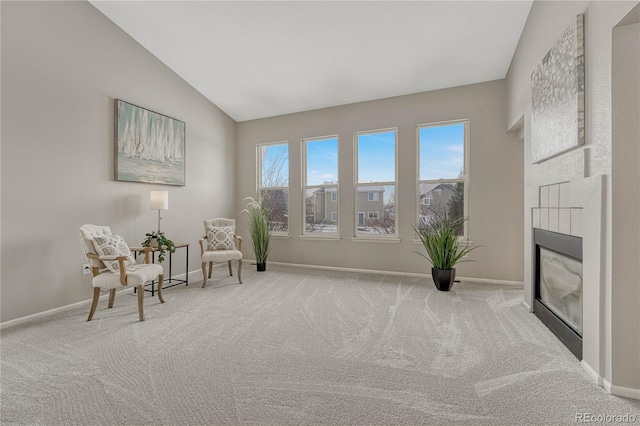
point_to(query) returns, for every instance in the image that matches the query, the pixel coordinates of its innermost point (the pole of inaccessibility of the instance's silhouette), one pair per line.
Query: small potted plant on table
(439, 236)
(158, 240)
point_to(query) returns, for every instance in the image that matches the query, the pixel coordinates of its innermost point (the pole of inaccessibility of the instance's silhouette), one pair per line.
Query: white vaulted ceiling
(268, 58)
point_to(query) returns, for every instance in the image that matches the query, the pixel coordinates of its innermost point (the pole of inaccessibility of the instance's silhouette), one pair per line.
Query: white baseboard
(527, 307)
(44, 314)
(491, 281)
(196, 275)
(607, 386)
(593, 374)
(404, 274)
(625, 392)
(193, 277)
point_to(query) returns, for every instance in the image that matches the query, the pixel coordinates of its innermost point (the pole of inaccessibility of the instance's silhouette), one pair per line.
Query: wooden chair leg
(240, 270)
(112, 297)
(204, 274)
(140, 301)
(210, 268)
(94, 304)
(160, 282)
(230, 271)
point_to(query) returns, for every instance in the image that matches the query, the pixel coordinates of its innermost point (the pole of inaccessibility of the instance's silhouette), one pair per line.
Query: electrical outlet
(86, 269)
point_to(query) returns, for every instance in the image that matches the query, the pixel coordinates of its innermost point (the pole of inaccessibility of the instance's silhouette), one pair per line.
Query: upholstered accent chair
(219, 245)
(113, 266)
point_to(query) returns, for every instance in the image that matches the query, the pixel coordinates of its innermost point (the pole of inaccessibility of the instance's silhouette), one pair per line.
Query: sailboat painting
(150, 147)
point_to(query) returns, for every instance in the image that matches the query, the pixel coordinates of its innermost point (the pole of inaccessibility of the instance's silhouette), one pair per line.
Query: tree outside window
(443, 178)
(273, 185)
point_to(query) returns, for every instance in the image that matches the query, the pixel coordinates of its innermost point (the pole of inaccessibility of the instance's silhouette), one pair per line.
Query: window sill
(385, 240)
(320, 237)
(281, 236)
(462, 240)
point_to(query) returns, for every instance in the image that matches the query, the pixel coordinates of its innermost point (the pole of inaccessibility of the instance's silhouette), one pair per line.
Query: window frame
(465, 163)
(305, 186)
(260, 187)
(356, 185)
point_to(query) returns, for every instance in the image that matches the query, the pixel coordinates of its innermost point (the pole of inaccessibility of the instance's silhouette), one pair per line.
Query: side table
(170, 281)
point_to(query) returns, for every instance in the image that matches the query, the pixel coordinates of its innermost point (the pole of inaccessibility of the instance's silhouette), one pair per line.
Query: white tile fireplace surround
(576, 208)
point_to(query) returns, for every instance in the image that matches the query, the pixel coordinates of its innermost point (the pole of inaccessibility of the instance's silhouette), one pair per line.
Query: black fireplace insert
(558, 286)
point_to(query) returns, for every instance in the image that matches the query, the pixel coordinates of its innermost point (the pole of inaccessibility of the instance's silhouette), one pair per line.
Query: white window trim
(303, 153)
(260, 188)
(334, 216)
(464, 179)
(311, 237)
(367, 237)
(334, 196)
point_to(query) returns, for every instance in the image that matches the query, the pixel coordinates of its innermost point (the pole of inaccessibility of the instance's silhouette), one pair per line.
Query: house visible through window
(273, 183)
(320, 186)
(443, 178)
(375, 191)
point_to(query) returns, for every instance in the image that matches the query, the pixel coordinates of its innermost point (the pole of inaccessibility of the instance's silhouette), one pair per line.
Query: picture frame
(557, 96)
(149, 147)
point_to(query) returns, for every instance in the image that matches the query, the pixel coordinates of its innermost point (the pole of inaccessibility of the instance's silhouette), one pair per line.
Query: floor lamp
(159, 200)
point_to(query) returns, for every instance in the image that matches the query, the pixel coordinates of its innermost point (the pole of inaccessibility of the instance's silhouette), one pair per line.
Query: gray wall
(625, 181)
(546, 21)
(495, 186)
(63, 63)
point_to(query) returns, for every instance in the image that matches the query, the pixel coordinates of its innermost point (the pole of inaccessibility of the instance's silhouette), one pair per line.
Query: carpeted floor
(298, 346)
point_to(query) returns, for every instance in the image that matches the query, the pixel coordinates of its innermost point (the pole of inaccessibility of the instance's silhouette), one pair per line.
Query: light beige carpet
(297, 346)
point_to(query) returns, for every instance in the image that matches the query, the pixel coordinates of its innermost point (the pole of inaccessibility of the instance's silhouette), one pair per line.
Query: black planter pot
(443, 278)
(261, 267)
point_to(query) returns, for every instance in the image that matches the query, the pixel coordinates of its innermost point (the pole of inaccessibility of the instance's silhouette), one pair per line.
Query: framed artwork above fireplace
(557, 96)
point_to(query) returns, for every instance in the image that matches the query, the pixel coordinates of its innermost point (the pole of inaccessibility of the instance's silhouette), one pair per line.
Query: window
(443, 178)
(376, 176)
(320, 186)
(273, 183)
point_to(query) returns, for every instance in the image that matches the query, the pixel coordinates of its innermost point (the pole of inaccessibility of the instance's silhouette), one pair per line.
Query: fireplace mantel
(577, 208)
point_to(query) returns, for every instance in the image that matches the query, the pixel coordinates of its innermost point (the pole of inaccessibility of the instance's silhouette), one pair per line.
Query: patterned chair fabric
(217, 246)
(100, 246)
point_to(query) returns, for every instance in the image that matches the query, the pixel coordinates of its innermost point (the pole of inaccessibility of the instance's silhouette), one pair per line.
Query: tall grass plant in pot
(259, 229)
(444, 247)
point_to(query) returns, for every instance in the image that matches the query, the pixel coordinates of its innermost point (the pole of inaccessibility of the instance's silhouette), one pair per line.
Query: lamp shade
(159, 200)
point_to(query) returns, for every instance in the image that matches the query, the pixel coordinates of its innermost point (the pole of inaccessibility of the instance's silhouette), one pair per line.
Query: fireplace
(558, 286)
